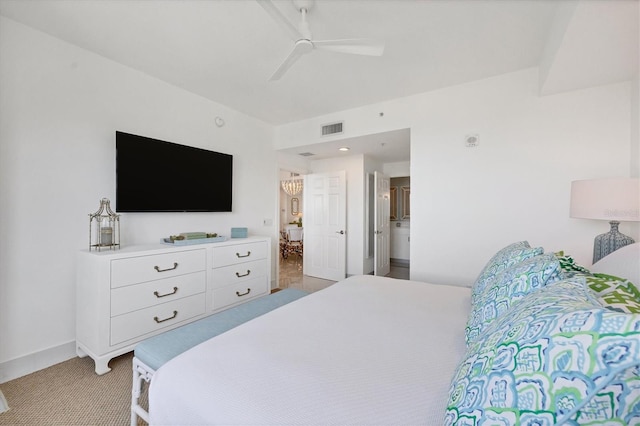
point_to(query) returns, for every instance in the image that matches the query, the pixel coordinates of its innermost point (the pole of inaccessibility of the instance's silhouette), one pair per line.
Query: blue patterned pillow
(557, 357)
(508, 287)
(504, 258)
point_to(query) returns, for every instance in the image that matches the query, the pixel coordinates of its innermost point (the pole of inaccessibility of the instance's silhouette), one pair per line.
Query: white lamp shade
(616, 199)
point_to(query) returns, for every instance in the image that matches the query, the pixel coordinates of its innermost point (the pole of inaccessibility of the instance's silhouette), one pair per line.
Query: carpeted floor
(70, 394)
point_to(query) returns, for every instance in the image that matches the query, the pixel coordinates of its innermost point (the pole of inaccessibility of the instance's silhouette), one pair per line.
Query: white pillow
(623, 263)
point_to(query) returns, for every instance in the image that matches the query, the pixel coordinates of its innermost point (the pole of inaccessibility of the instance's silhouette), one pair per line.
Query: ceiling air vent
(306, 154)
(332, 129)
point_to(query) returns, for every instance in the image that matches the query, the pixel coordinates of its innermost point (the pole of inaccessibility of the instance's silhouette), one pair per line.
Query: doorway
(290, 229)
(400, 220)
(387, 152)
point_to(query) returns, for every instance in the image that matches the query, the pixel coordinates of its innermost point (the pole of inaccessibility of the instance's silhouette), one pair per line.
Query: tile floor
(291, 275)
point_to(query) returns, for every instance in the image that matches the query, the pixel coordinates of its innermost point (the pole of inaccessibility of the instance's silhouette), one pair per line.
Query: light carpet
(72, 394)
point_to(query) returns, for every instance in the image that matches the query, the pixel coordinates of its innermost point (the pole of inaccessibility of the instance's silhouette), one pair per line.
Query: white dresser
(127, 295)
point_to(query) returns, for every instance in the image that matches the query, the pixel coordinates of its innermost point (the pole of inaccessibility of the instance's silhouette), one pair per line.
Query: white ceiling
(387, 147)
(226, 50)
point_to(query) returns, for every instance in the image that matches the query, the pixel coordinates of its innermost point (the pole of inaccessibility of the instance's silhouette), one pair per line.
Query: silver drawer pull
(244, 255)
(239, 275)
(175, 314)
(243, 294)
(157, 268)
(158, 295)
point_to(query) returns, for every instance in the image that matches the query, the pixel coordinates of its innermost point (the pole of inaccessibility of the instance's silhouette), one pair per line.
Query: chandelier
(292, 186)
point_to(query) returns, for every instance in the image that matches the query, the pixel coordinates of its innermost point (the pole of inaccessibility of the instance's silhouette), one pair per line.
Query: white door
(325, 219)
(381, 255)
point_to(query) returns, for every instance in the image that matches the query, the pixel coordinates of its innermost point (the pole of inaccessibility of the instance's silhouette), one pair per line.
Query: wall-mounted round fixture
(472, 140)
(219, 121)
(344, 148)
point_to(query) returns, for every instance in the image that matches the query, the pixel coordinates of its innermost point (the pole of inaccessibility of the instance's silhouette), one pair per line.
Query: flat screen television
(158, 176)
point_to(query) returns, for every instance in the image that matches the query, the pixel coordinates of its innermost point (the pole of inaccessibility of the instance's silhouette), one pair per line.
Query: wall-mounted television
(158, 176)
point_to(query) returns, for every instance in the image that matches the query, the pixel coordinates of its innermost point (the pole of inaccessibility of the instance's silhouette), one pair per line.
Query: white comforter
(365, 351)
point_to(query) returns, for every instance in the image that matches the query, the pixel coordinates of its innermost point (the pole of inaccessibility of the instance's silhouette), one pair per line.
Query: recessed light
(344, 148)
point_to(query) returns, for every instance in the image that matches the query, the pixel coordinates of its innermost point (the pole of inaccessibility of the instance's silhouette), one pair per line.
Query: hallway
(291, 275)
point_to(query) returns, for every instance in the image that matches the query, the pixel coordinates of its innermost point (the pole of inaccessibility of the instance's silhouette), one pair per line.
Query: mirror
(406, 198)
(370, 215)
(393, 193)
(295, 206)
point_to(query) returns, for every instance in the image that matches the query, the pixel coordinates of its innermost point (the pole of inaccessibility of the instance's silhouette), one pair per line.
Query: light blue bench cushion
(159, 349)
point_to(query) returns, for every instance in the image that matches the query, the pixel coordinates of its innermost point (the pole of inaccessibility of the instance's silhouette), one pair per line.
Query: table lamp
(615, 200)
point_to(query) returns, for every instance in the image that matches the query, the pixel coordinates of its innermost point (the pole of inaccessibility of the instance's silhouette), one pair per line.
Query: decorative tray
(186, 242)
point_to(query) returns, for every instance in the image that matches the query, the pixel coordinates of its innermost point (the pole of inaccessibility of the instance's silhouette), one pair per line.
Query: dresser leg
(81, 353)
(102, 365)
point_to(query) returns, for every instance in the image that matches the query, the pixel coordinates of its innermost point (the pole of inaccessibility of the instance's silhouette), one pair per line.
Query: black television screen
(159, 176)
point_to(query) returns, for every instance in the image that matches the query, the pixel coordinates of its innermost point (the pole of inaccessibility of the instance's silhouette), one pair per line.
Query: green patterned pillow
(504, 258)
(621, 300)
(569, 265)
(615, 293)
(603, 284)
(507, 287)
(556, 357)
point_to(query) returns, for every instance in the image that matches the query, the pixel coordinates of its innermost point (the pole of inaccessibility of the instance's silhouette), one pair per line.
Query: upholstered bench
(152, 353)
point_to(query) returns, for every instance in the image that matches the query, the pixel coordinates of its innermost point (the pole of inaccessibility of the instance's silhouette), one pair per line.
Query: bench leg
(140, 372)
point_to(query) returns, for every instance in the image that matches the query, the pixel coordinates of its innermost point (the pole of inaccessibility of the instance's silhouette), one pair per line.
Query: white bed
(367, 350)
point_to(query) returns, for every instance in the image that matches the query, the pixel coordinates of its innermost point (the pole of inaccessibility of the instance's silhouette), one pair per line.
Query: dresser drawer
(239, 253)
(148, 268)
(237, 273)
(239, 292)
(135, 324)
(139, 296)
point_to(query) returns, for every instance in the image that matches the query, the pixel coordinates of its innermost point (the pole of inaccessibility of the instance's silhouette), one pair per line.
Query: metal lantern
(104, 228)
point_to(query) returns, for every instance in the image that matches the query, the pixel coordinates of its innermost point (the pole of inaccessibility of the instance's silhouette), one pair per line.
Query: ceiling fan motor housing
(303, 5)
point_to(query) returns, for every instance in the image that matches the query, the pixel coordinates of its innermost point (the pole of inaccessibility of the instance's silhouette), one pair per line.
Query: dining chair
(294, 243)
(284, 238)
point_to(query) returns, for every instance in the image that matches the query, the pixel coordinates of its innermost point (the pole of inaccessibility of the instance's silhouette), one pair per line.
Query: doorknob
(341, 232)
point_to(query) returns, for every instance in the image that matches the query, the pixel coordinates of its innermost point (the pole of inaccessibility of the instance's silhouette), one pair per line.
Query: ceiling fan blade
(299, 49)
(280, 19)
(357, 46)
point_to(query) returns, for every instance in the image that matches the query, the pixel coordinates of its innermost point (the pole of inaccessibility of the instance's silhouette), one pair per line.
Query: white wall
(635, 140)
(469, 202)
(61, 106)
(285, 209)
(635, 127)
(399, 169)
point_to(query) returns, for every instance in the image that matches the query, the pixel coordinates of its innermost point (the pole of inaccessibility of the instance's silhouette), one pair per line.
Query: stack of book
(193, 235)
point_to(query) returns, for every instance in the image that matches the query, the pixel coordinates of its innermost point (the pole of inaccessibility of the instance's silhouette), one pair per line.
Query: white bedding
(367, 350)
(624, 263)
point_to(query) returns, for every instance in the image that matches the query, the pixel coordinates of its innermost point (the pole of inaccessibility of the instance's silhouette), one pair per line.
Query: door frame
(281, 168)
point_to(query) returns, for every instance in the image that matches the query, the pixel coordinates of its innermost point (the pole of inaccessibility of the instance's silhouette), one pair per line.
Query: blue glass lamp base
(605, 244)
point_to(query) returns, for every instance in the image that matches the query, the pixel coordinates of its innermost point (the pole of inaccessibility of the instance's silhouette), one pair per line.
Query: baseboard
(33, 362)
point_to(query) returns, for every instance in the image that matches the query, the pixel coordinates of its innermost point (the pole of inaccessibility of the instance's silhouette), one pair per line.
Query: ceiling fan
(304, 43)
